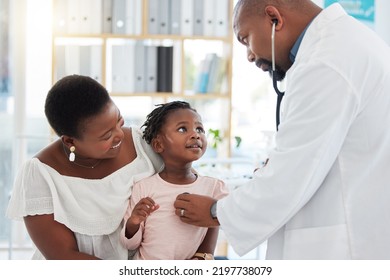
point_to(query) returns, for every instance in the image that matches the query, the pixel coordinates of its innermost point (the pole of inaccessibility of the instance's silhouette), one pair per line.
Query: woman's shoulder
(137, 139)
(144, 150)
(52, 153)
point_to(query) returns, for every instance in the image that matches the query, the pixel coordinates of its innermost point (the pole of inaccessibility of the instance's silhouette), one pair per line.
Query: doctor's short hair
(71, 101)
(156, 119)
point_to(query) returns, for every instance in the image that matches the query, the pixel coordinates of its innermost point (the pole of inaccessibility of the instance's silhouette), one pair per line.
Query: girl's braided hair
(156, 119)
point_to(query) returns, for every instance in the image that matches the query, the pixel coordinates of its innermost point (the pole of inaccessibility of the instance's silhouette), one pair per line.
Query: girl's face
(182, 138)
(102, 135)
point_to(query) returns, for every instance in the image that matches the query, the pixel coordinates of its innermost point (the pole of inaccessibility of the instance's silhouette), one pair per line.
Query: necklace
(81, 165)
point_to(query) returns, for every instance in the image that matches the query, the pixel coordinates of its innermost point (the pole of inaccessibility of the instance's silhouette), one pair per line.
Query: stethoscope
(274, 81)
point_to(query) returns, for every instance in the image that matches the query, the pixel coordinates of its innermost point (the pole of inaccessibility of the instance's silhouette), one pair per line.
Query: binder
(60, 62)
(133, 11)
(153, 17)
(73, 17)
(221, 15)
(85, 14)
(95, 8)
(175, 16)
(96, 63)
(72, 59)
(204, 73)
(129, 17)
(208, 17)
(139, 71)
(122, 72)
(151, 68)
(164, 17)
(220, 82)
(60, 19)
(107, 16)
(198, 17)
(138, 14)
(164, 68)
(90, 62)
(85, 60)
(213, 74)
(119, 16)
(187, 17)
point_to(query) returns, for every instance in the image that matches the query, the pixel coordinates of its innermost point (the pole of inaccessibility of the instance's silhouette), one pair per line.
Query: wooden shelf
(180, 88)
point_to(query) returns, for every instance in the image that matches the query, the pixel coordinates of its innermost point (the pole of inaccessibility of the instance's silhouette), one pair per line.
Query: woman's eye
(108, 136)
(121, 121)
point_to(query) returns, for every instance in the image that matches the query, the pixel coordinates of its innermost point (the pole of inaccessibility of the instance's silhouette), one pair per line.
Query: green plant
(216, 138)
(238, 141)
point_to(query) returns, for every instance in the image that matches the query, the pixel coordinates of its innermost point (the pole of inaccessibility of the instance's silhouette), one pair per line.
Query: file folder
(198, 17)
(187, 17)
(175, 15)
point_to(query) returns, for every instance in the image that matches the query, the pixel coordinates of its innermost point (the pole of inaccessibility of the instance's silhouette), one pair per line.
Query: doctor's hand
(194, 209)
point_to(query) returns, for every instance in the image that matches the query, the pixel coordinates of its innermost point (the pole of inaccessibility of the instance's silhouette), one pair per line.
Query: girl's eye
(200, 130)
(182, 129)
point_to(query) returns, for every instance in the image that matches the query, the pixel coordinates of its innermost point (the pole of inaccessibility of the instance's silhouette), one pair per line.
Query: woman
(74, 193)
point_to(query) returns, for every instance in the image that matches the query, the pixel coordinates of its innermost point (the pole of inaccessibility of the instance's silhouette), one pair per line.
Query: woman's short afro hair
(72, 100)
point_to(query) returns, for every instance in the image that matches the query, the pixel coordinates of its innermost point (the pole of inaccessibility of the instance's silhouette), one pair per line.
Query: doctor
(325, 192)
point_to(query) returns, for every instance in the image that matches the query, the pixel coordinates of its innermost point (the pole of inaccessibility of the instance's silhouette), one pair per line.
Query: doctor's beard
(279, 73)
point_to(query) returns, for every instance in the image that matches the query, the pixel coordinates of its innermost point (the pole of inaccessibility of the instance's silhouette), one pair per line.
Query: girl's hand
(145, 207)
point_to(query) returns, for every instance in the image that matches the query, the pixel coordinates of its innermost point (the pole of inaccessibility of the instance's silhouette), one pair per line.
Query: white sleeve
(31, 193)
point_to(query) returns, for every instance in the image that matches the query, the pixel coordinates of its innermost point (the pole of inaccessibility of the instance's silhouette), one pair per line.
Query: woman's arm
(54, 240)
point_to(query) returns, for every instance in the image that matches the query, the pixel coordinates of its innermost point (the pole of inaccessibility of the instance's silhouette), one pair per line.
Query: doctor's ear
(273, 15)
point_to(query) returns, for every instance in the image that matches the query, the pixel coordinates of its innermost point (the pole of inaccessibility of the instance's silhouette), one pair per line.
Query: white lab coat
(325, 193)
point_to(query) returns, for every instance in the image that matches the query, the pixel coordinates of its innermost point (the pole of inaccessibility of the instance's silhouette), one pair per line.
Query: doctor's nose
(250, 55)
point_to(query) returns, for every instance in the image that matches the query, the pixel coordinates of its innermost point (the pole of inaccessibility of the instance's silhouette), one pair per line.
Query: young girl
(175, 131)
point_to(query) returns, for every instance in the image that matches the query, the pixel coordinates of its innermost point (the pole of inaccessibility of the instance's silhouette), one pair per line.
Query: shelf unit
(80, 50)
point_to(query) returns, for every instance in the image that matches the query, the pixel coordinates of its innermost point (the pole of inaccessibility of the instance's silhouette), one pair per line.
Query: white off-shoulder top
(92, 208)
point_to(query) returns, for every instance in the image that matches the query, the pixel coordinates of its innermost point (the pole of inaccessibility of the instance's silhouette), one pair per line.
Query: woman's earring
(72, 156)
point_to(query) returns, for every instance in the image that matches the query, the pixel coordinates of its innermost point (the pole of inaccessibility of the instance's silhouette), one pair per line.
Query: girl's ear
(157, 144)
